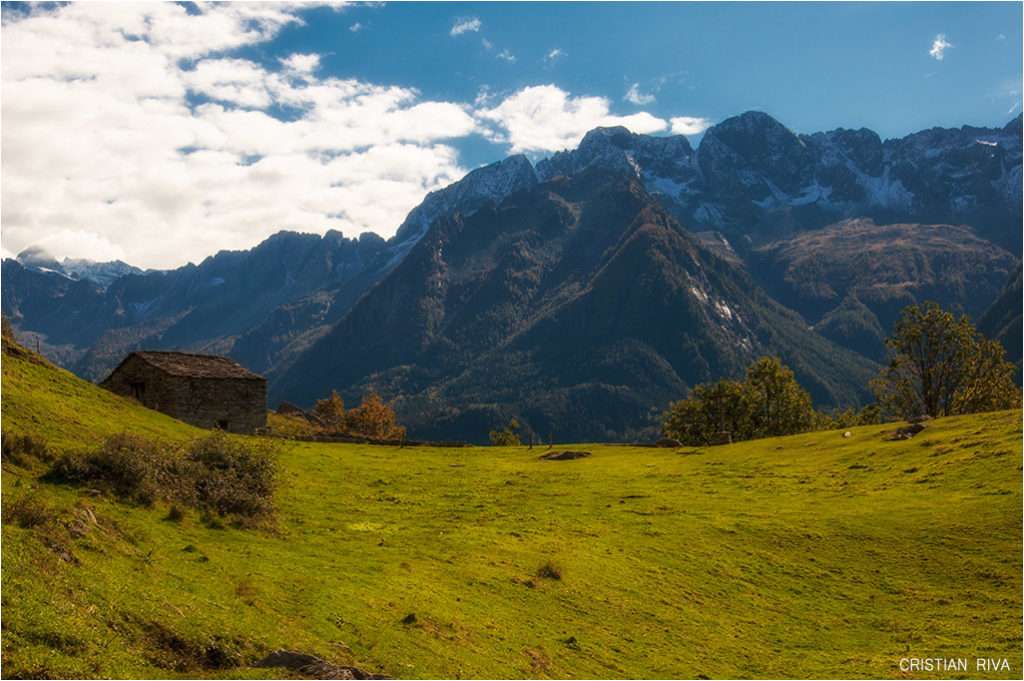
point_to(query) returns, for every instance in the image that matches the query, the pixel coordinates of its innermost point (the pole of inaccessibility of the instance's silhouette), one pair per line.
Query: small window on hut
(138, 389)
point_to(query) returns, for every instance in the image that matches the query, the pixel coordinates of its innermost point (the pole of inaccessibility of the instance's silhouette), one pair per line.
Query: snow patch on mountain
(77, 269)
(495, 182)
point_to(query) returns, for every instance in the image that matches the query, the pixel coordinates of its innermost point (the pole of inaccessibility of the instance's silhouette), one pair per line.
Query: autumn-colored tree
(374, 419)
(941, 365)
(331, 410)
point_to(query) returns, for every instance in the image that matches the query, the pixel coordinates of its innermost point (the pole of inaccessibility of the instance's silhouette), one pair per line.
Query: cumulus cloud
(939, 46)
(545, 118)
(76, 243)
(465, 25)
(689, 125)
(555, 54)
(301, 64)
(634, 96)
(127, 133)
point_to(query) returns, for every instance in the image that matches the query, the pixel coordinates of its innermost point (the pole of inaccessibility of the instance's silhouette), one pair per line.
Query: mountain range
(582, 294)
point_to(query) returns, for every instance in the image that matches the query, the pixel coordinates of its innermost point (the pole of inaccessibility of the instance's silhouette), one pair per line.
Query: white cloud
(545, 118)
(301, 64)
(555, 54)
(939, 46)
(105, 154)
(465, 25)
(356, 27)
(690, 125)
(634, 96)
(73, 243)
(507, 56)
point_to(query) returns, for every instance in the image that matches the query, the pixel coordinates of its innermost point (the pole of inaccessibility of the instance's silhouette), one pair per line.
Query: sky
(159, 133)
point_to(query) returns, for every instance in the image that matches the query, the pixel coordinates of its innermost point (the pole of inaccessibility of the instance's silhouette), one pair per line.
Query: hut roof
(198, 366)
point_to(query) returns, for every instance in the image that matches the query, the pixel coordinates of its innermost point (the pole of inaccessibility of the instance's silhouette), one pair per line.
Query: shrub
(22, 449)
(549, 571)
(28, 511)
(127, 465)
(217, 474)
(234, 478)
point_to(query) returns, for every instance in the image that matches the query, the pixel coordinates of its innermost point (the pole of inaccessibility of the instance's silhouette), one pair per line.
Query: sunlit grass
(807, 556)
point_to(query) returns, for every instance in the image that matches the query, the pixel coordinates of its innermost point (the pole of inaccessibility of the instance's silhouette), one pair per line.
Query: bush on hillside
(126, 465)
(234, 478)
(216, 474)
(28, 512)
(22, 449)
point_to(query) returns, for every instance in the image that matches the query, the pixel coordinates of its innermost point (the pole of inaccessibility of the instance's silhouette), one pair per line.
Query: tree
(780, 405)
(374, 419)
(507, 437)
(941, 366)
(722, 406)
(331, 410)
(769, 402)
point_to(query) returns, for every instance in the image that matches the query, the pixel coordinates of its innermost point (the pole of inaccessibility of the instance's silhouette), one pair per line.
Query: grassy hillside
(806, 556)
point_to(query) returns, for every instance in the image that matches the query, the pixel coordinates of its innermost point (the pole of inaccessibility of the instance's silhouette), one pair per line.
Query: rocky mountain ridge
(753, 179)
(579, 307)
(754, 191)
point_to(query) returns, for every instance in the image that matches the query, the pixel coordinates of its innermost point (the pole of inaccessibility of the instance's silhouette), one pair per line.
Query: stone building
(203, 390)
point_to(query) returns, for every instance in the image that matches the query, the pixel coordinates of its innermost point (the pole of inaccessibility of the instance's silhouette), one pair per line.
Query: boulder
(907, 432)
(288, 409)
(920, 419)
(722, 437)
(668, 442)
(311, 665)
(564, 456)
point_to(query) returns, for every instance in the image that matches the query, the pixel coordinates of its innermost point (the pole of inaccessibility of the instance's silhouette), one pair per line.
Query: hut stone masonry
(203, 390)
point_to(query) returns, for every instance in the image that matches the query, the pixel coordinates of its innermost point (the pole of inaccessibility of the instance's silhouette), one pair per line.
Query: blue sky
(159, 133)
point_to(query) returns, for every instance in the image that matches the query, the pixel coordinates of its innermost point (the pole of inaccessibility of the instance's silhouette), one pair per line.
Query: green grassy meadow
(806, 556)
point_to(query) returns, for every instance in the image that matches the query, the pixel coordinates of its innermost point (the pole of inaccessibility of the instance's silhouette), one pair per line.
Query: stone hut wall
(238, 405)
(142, 381)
